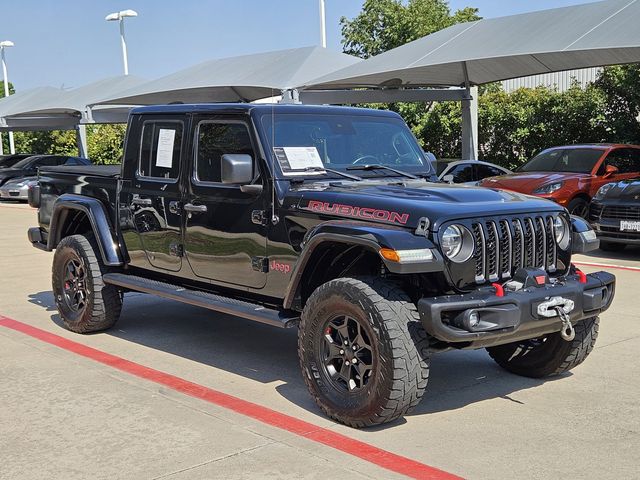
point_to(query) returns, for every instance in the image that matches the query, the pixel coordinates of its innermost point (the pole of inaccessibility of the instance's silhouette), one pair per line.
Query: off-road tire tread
(565, 359)
(408, 340)
(106, 300)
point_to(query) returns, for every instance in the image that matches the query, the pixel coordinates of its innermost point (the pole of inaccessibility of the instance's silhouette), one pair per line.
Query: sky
(67, 43)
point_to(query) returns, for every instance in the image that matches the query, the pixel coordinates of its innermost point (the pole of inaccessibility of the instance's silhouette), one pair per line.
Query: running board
(206, 300)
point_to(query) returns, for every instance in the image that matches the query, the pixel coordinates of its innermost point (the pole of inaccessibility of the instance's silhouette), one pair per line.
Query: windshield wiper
(382, 167)
(330, 170)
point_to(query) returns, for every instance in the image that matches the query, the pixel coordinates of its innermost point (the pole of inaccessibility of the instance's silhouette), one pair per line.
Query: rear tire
(85, 303)
(374, 322)
(612, 246)
(550, 355)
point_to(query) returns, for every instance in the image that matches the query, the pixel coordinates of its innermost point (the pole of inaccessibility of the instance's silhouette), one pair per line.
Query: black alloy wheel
(74, 285)
(347, 354)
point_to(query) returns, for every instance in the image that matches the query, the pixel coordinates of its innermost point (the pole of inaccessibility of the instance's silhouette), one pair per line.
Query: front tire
(85, 303)
(579, 207)
(363, 351)
(550, 355)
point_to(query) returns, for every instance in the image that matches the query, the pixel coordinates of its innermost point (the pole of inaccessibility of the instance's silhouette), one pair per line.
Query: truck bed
(112, 171)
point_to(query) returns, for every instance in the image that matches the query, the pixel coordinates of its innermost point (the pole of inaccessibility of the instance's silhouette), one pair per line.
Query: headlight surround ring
(457, 243)
(562, 232)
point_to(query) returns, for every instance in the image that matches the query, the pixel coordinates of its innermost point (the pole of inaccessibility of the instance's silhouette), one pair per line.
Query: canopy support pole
(81, 139)
(469, 119)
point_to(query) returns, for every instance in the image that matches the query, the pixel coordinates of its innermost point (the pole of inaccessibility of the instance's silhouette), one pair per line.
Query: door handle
(190, 207)
(142, 202)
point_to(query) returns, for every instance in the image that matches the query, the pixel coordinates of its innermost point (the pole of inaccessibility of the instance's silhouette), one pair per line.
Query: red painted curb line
(350, 446)
(606, 265)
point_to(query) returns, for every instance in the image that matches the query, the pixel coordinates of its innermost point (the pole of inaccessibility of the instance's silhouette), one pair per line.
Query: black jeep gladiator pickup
(331, 219)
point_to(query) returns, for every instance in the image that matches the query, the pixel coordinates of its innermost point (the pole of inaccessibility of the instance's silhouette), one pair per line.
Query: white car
(18, 188)
(469, 172)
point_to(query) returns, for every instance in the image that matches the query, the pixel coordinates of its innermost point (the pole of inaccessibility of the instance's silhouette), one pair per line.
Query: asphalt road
(63, 415)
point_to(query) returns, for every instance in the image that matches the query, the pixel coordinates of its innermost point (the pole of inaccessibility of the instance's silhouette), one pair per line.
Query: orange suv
(571, 175)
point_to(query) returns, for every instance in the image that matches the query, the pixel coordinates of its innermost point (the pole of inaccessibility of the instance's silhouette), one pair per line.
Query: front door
(221, 241)
(153, 195)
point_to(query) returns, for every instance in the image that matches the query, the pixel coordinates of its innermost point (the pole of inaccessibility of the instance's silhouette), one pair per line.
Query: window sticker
(295, 160)
(166, 139)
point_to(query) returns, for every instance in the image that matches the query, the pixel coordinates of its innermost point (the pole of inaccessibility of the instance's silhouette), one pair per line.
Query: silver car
(17, 189)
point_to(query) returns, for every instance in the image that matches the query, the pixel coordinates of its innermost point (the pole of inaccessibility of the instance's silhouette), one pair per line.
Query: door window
(627, 160)
(462, 173)
(160, 149)
(215, 139)
(484, 171)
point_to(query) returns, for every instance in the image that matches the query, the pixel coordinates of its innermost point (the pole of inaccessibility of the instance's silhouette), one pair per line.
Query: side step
(206, 300)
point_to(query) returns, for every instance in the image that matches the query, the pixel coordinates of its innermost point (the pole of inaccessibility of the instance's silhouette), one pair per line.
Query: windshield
(573, 160)
(342, 142)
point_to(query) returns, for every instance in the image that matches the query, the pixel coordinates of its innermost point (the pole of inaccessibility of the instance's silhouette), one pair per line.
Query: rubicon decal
(358, 212)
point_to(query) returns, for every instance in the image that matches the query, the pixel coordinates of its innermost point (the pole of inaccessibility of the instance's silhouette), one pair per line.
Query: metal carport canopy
(475, 53)
(49, 108)
(589, 35)
(244, 78)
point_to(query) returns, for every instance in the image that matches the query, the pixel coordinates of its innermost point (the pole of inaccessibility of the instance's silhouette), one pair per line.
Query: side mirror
(448, 178)
(237, 169)
(610, 170)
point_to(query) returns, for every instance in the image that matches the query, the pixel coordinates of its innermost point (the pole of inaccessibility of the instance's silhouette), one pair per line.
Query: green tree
(104, 143)
(621, 87)
(386, 24)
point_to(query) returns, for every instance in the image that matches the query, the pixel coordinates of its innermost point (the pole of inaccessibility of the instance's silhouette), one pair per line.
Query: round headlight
(457, 243)
(562, 232)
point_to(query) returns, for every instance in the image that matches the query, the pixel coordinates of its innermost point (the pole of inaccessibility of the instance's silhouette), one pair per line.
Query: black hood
(404, 204)
(628, 190)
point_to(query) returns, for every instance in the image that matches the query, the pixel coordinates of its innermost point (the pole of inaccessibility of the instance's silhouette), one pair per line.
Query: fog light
(473, 320)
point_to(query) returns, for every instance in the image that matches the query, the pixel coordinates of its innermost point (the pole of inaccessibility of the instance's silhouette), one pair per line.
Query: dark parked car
(7, 161)
(572, 175)
(615, 214)
(28, 167)
(467, 171)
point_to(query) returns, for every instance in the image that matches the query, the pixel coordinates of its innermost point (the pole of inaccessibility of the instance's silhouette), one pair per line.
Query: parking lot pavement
(68, 416)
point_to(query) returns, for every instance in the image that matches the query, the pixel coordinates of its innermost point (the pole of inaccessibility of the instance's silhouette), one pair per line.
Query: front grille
(503, 246)
(614, 232)
(615, 212)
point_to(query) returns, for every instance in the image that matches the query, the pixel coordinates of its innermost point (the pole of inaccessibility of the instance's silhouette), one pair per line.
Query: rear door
(223, 242)
(152, 195)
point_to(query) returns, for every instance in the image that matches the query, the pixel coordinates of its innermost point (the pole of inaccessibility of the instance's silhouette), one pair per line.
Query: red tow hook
(582, 277)
(499, 289)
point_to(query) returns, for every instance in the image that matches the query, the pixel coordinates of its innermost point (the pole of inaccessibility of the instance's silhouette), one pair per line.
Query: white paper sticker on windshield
(166, 139)
(295, 160)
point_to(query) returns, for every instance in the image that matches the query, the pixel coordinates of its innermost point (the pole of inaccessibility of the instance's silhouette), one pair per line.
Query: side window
(634, 155)
(485, 171)
(215, 139)
(462, 173)
(47, 162)
(625, 159)
(160, 147)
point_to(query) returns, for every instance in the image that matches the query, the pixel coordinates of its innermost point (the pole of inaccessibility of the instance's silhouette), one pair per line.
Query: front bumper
(18, 193)
(514, 316)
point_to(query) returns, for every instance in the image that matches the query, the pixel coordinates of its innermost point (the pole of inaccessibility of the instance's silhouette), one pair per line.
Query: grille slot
(621, 212)
(503, 246)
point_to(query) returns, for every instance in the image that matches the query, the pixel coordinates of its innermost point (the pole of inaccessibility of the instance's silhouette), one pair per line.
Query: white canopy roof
(594, 34)
(244, 78)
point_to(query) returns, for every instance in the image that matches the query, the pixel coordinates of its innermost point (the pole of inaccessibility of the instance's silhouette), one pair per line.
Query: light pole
(323, 25)
(120, 16)
(3, 45)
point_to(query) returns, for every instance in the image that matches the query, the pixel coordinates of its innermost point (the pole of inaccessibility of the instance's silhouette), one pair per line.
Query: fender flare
(371, 237)
(100, 225)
